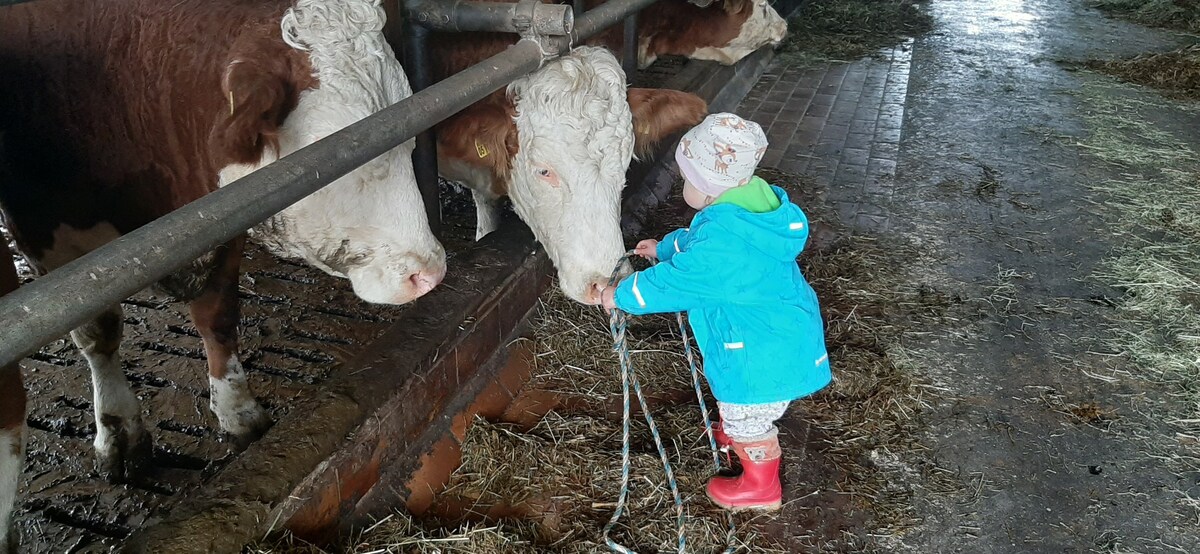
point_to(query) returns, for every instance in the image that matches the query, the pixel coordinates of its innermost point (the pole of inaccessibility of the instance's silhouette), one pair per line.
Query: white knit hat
(721, 153)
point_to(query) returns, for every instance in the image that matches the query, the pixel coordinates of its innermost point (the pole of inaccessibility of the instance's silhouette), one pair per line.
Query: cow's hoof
(124, 449)
(256, 430)
(249, 425)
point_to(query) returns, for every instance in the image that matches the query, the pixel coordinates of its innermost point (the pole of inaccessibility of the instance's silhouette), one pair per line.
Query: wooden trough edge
(372, 412)
(344, 455)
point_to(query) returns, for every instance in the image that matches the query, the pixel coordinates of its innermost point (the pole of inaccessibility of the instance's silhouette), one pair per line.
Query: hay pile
(850, 29)
(1175, 73)
(848, 479)
(399, 532)
(1157, 265)
(1183, 15)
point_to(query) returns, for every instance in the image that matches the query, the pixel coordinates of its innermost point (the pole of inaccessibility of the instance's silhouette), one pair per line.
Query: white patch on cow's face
(72, 242)
(12, 457)
(575, 138)
(764, 26)
(370, 225)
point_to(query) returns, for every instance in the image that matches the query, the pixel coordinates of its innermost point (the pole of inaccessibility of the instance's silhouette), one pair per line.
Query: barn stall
(360, 394)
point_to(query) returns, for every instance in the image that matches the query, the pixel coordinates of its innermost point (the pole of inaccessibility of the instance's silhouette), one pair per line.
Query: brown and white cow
(12, 410)
(118, 112)
(12, 422)
(725, 31)
(558, 142)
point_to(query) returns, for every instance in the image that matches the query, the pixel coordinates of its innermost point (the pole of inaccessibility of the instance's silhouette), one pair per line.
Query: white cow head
(559, 146)
(335, 69)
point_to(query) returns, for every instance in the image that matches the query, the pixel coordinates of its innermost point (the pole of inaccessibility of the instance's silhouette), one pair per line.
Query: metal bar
(629, 52)
(506, 17)
(580, 6)
(425, 167)
(606, 15)
(51, 306)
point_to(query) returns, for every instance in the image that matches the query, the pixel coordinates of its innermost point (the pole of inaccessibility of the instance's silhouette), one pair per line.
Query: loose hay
(1157, 264)
(850, 29)
(1183, 15)
(1175, 73)
(399, 532)
(551, 488)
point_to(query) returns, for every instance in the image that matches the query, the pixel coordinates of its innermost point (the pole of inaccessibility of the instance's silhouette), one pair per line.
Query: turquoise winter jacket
(755, 318)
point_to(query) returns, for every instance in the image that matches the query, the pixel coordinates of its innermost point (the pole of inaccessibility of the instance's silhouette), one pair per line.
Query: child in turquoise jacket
(755, 318)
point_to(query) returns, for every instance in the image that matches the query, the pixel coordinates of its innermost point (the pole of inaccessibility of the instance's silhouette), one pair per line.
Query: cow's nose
(424, 281)
(592, 296)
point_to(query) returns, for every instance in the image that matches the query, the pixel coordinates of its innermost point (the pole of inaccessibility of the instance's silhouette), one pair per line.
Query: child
(754, 316)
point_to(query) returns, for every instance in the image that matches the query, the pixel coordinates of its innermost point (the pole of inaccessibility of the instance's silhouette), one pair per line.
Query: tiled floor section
(839, 123)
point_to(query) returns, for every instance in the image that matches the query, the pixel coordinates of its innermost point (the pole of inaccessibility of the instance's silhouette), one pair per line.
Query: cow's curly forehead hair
(576, 103)
(342, 38)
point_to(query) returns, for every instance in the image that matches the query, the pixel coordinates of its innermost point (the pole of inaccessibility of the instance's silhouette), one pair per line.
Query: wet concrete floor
(991, 183)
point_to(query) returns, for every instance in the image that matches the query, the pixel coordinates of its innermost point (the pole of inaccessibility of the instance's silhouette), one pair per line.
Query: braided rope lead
(618, 325)
(708, 427)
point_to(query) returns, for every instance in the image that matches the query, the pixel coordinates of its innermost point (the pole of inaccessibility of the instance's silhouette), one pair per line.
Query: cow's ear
(482, 135)
(257, 98)
(658, 113)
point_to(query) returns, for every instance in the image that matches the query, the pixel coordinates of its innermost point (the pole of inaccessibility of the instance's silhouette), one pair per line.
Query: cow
(121, 111)
(724, 32)
(563, 166)
(558, 143)
(12, 419)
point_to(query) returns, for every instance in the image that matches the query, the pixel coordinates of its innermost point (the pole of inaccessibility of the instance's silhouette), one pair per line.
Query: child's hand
(608, 298)
(647, 249)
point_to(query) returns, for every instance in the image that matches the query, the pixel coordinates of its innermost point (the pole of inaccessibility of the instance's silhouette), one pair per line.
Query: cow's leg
(215, 313)
(487, 213)
(12, 423)
(12, 451)
(122, 443)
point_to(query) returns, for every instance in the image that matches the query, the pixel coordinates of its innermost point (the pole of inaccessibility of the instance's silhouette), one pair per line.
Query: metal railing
(49, 307)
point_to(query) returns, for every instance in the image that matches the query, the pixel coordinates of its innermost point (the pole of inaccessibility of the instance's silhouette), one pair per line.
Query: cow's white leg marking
(487, 213)
(234, 405)
(122, 443)
(12, 454)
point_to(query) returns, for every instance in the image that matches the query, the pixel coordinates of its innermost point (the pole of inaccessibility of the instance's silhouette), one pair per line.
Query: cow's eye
(546, 174)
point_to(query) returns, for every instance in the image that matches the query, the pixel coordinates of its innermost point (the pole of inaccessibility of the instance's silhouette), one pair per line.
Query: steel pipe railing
(629, 48)
(51, 306)
(531, 17)
(425, 165)
(604, 16)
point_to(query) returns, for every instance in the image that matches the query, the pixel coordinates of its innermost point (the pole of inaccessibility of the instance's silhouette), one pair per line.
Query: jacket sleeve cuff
(628, 296)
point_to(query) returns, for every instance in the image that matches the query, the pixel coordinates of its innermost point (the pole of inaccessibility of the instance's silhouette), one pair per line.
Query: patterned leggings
(751, 422)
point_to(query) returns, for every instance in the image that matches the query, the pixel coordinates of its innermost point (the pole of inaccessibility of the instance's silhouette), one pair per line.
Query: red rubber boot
(724, 443)
(723, 440)
(758, 487)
